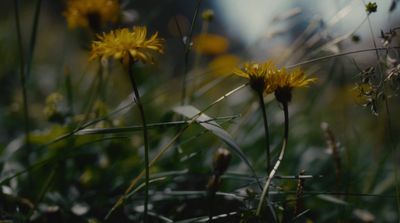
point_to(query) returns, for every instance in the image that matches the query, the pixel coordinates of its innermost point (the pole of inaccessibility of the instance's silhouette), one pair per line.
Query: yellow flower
(224, 64)
(125, 44)
(284, 81)
(259, 75)
(91, 13)
(210, 44)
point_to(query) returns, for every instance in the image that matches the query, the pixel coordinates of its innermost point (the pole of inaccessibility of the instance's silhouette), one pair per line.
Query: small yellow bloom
(259, 75)
(224, 64)
(284, 81)
(292, 79)
(210, 44)
(91, 13)
(122, 44)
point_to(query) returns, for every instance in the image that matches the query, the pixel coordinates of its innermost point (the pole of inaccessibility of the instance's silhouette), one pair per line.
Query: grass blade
(190, 111)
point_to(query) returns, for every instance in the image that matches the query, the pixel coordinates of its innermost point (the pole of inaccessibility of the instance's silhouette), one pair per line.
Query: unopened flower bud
(371, 7)
(208, 15)
(221, 161)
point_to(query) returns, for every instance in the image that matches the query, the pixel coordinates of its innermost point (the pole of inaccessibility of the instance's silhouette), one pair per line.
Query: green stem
(68, 89)
(266, 131)
(187, 45)
(23, 80)
(211, 198)
(32, 42)
(278, 162)
(145, 137)
(392, 149)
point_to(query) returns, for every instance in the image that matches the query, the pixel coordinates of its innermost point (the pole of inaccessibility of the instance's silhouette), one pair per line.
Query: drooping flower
(284, 81)
(91, 13)
(123, 44)
(259, 75)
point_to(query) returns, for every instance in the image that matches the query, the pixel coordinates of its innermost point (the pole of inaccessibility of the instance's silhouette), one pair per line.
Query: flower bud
(208, 15)
(371, 7)
(221, 161)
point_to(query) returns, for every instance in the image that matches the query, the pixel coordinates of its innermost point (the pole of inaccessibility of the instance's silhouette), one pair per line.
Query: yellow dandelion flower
(259, 75)
(91, 13)
(123, 44)
(210, 44)
(284, 81)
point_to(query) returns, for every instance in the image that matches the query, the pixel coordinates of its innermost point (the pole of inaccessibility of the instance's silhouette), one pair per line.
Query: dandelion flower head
(124, 44)
(91, 13)
(259, 75)
(284, 81)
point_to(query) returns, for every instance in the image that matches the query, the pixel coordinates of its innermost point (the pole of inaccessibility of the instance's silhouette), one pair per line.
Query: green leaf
(204, 120)
(332, 199)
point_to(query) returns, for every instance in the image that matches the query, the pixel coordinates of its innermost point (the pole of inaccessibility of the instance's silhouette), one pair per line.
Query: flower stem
(187, 45)
(266, 131)
(145, 137)
(23, 81)
(278, 162)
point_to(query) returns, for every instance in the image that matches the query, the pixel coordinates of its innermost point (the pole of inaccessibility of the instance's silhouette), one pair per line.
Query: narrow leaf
(190, 112)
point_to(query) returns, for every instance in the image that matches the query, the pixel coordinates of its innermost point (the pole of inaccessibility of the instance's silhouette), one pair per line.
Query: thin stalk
(23, 80)
(266, 131)
(211, 196)
(278, 162)
(145, 137)
(393, 148)
(69, 92)
(47, 184)
(32, 42)
(339, 55)
(188, 43)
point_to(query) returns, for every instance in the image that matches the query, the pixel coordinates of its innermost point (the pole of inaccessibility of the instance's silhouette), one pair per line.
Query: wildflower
(371, 7)
(224, 64)
(210, 44)
(91, 13)
(284, 81)
(125, 44)
(259, 75)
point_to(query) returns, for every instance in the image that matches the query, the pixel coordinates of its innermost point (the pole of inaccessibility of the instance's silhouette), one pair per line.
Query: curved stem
(278, 162)
(145, 138)
(266, 131)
